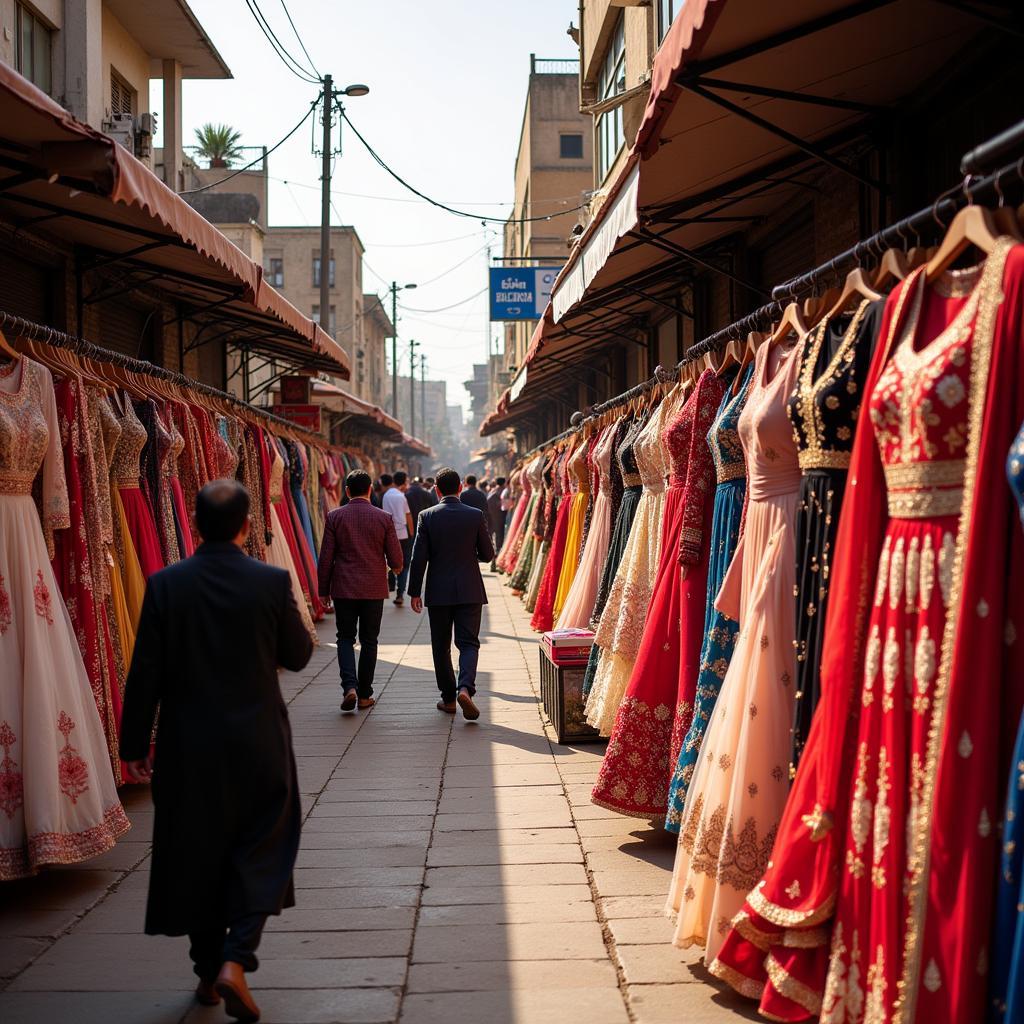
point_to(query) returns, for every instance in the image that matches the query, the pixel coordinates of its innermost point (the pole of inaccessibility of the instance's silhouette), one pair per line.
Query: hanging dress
(179, 511)
(877, 903)
(278, 550)
(631, 491)
(543, 615)
(719, 630)
(58, 803)
(824, 409)
(579, 475)
(621, 627)
(740, 782)
(1006, 989)
(136, 509)
(526, 543)
(579, 603)
(541, 529)
(637, 765)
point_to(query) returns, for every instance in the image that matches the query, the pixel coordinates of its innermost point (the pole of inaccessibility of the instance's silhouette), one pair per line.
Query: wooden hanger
(749, 347)
(791, 321)
(730, 357)
(8, 349)
(857, 288)
(973, 225)
(893, 267)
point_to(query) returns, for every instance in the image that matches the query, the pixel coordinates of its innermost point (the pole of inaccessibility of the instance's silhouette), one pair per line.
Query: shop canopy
(747, 101)
(65, 180)
(410, 445)
(364, 415)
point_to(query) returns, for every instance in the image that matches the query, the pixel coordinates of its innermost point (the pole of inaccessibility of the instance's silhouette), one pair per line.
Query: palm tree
(218, 143)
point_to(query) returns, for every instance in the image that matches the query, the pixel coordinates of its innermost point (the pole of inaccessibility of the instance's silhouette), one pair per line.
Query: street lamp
(395, 289)
(356, 89)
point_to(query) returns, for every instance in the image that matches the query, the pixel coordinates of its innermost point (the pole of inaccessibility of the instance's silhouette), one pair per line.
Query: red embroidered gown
(642, 751)
(876, 903)
(58, 804)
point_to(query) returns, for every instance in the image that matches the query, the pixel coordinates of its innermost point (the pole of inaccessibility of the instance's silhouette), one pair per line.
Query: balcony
(550, 66)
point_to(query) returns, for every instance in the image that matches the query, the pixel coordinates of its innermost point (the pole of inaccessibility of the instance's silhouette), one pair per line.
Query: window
(667, 10)
(123, 98)
(316, 270)
(570, 147)
(274, 271)
(33, 47)
(612, 82)
(316, 319)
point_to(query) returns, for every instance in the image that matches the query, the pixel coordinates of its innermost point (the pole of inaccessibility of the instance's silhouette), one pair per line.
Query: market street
(448, 872)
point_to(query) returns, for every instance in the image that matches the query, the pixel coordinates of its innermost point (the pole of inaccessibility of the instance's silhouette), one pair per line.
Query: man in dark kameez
(214, 629)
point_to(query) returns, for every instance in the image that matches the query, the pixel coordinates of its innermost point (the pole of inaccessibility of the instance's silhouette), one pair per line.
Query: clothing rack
(927, 220)
(20, 327)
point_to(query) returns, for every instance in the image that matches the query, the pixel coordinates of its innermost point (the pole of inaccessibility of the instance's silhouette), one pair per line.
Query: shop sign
(521, 293)
(295, 390)
(306, 416)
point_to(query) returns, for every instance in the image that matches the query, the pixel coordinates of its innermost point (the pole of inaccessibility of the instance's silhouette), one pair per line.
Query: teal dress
(719, 630)
(1007, 980)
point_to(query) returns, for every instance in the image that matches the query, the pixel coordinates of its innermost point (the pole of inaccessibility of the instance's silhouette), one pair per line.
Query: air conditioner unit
(145, 129)
(121, 128)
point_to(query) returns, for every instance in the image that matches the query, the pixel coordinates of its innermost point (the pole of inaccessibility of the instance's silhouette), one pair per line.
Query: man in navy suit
(453, 539)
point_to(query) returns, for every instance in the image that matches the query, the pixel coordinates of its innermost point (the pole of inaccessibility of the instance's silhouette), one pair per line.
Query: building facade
(553, 173)
(97, 57)
(370, 378)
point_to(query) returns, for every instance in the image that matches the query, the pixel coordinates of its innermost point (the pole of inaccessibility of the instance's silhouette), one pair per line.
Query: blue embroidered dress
(1007, 983)
(719, 630)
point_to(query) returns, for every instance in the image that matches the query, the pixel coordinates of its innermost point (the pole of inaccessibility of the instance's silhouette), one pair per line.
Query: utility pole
(423, 391)
(412, 387)
(325, 210)
(394, 349)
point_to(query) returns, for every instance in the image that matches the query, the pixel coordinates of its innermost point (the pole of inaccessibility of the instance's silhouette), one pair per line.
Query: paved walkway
(449, 873)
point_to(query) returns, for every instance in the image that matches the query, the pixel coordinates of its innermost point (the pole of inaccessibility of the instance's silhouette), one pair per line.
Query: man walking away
(497, 517)
(419, 498)
(213, 631)
(396, 506)
(359, 546)
(451, 542)
(475, 498)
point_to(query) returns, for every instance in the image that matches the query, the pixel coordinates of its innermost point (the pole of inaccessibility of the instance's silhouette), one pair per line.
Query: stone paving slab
(449, 872)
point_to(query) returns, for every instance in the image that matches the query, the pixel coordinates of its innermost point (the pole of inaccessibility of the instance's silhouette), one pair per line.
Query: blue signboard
(521, 293)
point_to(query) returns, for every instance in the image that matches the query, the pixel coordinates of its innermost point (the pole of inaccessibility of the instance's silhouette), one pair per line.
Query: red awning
(103, 198)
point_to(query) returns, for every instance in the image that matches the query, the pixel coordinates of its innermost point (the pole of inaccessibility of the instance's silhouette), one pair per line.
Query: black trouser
(211, 948)
(364, 617)
(464, 620)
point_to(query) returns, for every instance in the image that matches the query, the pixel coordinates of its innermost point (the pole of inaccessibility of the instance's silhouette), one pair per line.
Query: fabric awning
(410, 445)
(746, 101)
(341, 402)
(83, 189)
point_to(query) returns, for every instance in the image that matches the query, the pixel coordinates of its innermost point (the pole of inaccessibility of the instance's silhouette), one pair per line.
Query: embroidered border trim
(789, 988)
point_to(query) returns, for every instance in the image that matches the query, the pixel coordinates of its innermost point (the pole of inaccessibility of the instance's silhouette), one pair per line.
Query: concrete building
(553, 172)
(370, 378)
(291, 261)
(618, 42)
(97, 57)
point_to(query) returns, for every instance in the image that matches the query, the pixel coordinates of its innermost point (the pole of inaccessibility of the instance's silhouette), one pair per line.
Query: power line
(262, 156)
(483, 218)
(288, 15)
(442, 309)
(461, 263)
(276, 45)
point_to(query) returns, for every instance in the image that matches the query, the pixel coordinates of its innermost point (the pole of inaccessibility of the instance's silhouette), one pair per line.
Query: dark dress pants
(211, 948)
(363, 618)
(464, 621)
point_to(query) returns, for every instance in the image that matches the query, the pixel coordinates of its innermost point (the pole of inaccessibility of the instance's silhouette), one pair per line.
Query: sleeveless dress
(622, 623)
(579, 475)
(824, 409)
(637, 766)
(719, 630)
(579, 603)
(58, 803)
(740, 782)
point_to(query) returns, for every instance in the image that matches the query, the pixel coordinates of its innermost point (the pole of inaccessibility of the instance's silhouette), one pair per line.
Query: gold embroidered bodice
(919, 407)
(276, 474)
(579, 469)
(124, 469)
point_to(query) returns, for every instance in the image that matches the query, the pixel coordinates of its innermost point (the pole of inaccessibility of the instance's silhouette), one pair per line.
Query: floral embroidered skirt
(719, 641)
(58, 804)
(741, 781)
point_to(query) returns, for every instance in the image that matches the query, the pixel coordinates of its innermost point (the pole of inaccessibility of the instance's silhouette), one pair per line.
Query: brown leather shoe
(469, 710)
(206, 994)
(448, 709)
(232, 988)
(349, 703)
(365, 703)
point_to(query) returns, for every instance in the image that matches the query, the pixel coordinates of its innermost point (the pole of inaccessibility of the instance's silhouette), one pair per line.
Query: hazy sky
(448, 84)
